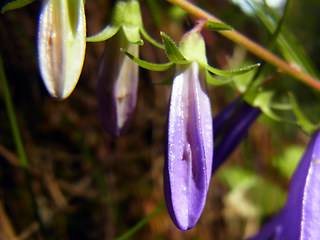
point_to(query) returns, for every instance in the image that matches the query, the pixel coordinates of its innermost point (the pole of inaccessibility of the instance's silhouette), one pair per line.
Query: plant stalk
(251, 46)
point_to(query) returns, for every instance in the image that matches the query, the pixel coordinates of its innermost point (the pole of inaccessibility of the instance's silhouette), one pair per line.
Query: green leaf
(172, 51)
(108, 32)
(218, 26)
(263, 101)
(229, 73)
(303, 121)
(216, 81)
(147, 65)
(15, 5)
(288, 161)
(288, 45)
(150, 39)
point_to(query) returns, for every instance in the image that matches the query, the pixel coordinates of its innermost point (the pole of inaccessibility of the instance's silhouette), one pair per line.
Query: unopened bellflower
(118, 75)
(188, 165)
(61, 45)
(231, 125)
(118, 85)
(300, 217)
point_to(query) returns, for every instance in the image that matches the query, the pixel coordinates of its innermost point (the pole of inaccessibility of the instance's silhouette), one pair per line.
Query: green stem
(23, 160)
(251, 46)
(142, 222)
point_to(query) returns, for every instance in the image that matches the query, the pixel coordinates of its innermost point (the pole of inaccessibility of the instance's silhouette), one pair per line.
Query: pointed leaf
(232, 72)
(217, 81)
(172, 51)
(147, 65)
(15, 5)
(218, 26)
(150, 39)
(303, 121)
(108, 32)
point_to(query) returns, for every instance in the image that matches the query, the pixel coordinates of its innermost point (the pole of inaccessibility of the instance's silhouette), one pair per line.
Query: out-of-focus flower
(300, 217)
(230, 126)
(118, 84)
(118, 75)
(61, 45)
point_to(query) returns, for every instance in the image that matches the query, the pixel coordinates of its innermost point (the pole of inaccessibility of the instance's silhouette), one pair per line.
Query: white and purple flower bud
(188, 164)
(118, 85)
(61, 45)
(300, 218)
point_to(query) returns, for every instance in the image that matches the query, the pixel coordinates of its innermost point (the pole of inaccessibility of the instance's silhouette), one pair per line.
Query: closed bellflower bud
(118, 85)
(188, 164)
(231, 125)
(61, 45)
(300, 218)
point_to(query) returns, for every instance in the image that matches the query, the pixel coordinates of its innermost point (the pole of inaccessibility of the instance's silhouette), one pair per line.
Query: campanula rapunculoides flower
(118, 85)
(61, 45)
(231, 125)
(188, 165)
(300, 217)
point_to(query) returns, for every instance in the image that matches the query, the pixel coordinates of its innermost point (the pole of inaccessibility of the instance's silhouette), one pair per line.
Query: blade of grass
(142, 222)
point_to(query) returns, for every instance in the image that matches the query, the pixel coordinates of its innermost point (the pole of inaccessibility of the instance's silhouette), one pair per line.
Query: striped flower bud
(118, 85)
(188, 163)
(300, 218)
(61, 45)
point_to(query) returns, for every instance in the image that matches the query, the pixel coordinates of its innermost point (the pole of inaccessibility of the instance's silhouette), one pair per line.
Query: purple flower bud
(189, 155)
(118, 85)
(300, 217)
(231, 125)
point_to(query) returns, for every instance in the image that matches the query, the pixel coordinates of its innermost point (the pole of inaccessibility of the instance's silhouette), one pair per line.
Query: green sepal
(263, 101)
(148, 65)
(302, 120)
(132, 34)
(230, 73)
(172, 51)
(114, 26)
(217, 26)
(150, 39)
(108, 32)
(216, 81)
(15, 5)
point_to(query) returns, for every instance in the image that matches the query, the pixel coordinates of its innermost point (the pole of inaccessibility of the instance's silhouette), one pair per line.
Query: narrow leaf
(303, 121)
(229, 73)
(147, 65)
(150, 39)
(217, 81)
(217, 26)
(172, 51)
(108, 32)
(15, 5)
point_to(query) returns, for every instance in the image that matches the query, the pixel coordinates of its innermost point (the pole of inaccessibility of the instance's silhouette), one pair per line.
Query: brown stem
(251, 46)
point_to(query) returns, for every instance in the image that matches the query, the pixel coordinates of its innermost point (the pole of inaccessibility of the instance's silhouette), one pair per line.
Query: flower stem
(251, 46)
(23, 160)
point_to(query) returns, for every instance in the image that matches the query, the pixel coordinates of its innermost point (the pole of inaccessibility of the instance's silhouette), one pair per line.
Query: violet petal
(233, 124)
(300, 217)
(118, 86)
(188, 164)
